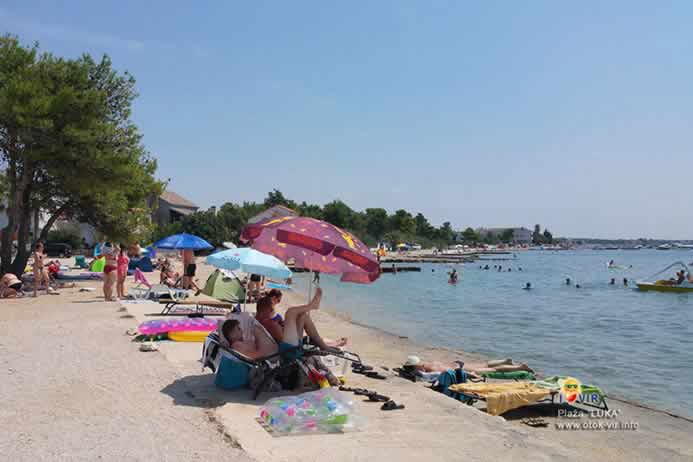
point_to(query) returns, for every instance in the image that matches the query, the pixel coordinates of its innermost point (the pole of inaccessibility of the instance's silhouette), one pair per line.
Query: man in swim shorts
(261, 347)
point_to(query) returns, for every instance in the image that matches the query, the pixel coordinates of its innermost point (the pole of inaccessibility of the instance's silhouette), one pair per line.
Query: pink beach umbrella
(314, 245)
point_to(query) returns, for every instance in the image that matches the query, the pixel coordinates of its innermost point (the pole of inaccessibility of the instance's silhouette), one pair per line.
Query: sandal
(149, 346)
(377, 398)
(535, 422)
(391, 406)
(375, 375)
(360, 367)
(343, 388)
(361, 391)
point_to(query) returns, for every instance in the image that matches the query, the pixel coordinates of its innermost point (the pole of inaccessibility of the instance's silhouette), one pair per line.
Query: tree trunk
(49, 224)
(8, 231)
(23, 215)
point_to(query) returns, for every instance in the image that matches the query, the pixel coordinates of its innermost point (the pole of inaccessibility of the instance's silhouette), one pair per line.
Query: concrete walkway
(74, 387)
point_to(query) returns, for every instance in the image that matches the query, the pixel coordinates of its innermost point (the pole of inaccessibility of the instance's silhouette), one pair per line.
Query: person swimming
(625, 282)
(528, 286)
(453, 276)
(567, 281)
(613, 281)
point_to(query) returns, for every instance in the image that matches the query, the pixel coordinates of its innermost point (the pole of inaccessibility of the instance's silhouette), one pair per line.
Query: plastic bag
(322, 411)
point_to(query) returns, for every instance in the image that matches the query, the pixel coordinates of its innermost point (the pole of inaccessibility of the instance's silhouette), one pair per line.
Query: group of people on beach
(115, 269)
(287, 331)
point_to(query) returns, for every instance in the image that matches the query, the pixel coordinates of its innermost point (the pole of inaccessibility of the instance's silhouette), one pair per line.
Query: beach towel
(503, 397)
(514, 375)
(447, 379)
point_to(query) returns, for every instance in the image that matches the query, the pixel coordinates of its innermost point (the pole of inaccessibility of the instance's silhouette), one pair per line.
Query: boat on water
(664, 247)
(668, 285)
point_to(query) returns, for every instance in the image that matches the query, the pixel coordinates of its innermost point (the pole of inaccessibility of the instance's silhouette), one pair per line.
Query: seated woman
(10, 286)
(289, 331)
(275, 297)
(168, 277)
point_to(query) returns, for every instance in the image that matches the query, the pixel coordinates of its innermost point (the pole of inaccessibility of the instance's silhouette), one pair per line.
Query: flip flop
(360, 367)
(391, 406)
(375, 375)
(343, 388)
(377, 398)
(361, 391)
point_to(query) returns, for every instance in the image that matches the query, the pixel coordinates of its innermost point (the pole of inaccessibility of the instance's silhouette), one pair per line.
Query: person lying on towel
(474, 370)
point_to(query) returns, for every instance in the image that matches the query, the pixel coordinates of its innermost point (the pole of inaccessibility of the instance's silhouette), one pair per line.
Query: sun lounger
(144, 290)
(175, 307)
(503, 397)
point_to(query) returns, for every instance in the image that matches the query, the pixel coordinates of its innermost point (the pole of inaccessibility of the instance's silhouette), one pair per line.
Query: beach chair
(144, 290)
(283, 370)
(174, 307)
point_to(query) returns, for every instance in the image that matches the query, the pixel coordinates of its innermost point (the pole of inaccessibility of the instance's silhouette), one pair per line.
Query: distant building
(172, 207)
(275, 211)
(521, 235)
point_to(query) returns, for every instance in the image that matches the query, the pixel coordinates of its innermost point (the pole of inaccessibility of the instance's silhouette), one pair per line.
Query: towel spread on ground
(502, 397)
(514, 375)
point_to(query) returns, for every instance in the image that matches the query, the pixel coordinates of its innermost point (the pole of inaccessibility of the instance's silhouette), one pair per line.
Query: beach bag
(229, 372)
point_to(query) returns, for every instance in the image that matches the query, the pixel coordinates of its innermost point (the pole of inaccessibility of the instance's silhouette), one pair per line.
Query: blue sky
(576, 116)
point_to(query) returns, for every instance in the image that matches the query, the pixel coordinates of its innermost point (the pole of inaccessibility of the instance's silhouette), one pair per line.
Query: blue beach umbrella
(181, 242)
(249, 260)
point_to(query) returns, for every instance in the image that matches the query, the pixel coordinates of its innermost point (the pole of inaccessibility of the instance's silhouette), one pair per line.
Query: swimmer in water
(528, 286)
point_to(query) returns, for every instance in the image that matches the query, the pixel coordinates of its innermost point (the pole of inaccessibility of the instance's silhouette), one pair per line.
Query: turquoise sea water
(637, 345)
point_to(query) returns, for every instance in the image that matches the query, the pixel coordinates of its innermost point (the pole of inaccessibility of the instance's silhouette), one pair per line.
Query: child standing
(123, 262)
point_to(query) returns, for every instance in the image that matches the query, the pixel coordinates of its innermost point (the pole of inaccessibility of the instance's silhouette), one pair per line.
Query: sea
(635, 345)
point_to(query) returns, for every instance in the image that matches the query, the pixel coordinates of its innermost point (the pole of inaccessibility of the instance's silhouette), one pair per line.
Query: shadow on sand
(200, 391)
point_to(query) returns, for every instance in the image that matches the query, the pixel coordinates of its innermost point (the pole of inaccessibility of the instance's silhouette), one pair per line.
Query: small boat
(664, 247)
(668, 285)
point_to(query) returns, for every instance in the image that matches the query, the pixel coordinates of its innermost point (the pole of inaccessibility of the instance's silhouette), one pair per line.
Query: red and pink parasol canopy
(315, 245)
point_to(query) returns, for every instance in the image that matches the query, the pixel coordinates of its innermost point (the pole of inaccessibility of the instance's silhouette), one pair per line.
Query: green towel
(516, 375)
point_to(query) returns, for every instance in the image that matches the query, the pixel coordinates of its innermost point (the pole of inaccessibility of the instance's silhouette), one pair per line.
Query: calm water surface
(633, 344)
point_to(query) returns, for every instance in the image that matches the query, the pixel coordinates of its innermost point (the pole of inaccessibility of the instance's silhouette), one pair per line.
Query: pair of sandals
(374, 396)
(368, 371)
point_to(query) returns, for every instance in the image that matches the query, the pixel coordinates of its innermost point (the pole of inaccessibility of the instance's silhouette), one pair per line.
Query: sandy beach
(70, 366)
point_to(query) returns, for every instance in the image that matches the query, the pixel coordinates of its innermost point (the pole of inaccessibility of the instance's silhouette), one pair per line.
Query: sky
(574, 115)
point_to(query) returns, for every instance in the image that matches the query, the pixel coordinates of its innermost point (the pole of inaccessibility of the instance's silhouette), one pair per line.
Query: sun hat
(412, 361)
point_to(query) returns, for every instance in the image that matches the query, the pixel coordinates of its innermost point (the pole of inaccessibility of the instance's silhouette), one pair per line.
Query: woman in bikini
(40, 273)
(109, 271)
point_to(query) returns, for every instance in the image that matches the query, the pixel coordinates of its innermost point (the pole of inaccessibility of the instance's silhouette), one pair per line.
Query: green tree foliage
(338, 213)
(537, 237)
(376, 222)
(65, 132)
(404, 223)
(445, 233)
(275, 197)
(469, 235)
(372, 226)
(423, 227)
(548, 237)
